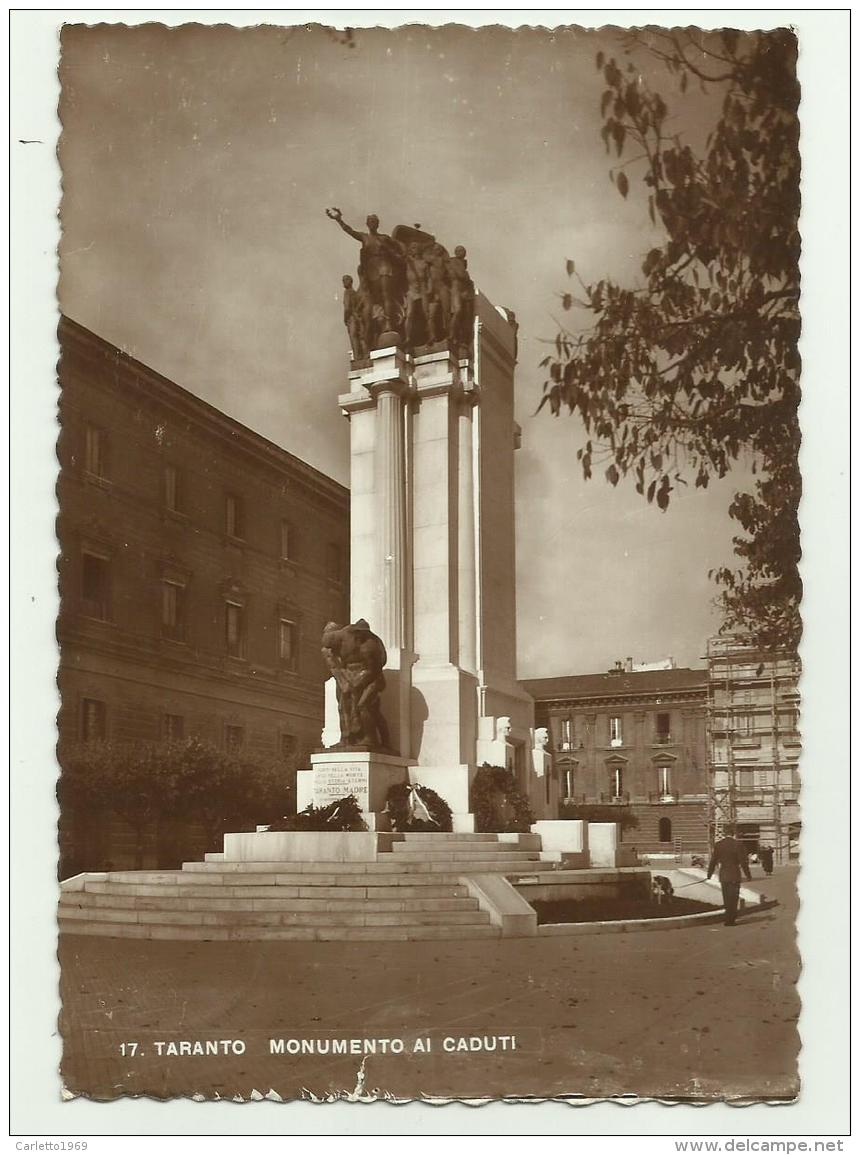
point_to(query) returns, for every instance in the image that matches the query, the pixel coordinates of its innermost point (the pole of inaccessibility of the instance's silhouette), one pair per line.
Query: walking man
(731, 858)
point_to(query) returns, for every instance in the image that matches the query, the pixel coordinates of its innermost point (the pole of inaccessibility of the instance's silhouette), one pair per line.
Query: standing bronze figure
(381, 268)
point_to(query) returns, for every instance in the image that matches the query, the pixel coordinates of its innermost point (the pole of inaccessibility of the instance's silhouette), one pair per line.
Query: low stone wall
(558, 885)
(305, 846)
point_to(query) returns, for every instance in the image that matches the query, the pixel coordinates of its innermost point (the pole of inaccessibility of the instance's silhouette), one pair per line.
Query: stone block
(365, 774)
(569, 836)
(506, 909)
(301, 846)
(603, 838)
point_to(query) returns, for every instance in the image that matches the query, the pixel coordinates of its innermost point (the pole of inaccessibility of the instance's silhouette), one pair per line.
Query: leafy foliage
(144, 782)
(342, 814)
(697, 367)
(623, 815)
(397, 804)
(497, 804)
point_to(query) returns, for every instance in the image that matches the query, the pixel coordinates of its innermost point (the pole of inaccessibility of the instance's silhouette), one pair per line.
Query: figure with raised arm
(380, 268)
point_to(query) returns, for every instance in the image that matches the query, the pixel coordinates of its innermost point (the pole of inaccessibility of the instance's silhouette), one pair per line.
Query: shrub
(190, 780)
(497, 804)
(398, 806)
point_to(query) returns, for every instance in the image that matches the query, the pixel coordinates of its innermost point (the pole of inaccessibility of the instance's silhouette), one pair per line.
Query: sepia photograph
(430, 668)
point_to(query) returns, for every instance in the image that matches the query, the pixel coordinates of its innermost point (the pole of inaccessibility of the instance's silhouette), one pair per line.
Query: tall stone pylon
(433, 560)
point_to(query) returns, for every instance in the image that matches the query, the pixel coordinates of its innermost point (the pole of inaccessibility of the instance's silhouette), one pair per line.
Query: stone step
(378, 888)
(231, 918)
(412, 854)
(429, 836)
(83, 899)
(266, 933)
(385, 865)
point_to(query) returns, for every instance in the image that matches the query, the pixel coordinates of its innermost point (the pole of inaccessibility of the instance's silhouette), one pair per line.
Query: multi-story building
(198, 565)
(755, 742)
(633, 738)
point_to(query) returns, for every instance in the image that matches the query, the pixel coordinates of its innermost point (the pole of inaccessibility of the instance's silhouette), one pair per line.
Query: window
(662, 727)
(173, 496)
(616, 782)
(234, 738)
(746, 779)
(173, 610)
(664, 780)
(233, 510)
(568, 781)
(173, 727)
(287, 642)
(566, 735)
(286, 540)
(95, 451)
(234, 626)
(289, 744)
(95, 586)
(664, 829)
(93, 720)
(744, 724)
(615, 732)
(334, 562)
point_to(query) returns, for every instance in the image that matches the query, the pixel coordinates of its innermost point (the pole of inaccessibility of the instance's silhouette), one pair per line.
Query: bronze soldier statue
(462, 299)
(354, 319)
(417, 297)
(380, 268)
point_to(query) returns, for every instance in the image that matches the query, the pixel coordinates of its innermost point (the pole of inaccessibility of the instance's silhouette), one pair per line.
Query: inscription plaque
(340, 779)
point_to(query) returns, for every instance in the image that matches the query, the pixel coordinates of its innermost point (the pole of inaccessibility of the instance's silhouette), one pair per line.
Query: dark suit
(731, 859)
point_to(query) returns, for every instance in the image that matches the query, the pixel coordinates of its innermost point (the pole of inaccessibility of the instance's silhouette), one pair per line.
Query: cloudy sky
(197, 164)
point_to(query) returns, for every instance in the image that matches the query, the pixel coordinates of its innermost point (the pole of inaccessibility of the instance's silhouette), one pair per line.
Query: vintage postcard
(431, 655)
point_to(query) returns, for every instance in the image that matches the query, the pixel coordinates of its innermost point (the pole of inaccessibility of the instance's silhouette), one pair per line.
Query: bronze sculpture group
(356, 658)
(410, 291)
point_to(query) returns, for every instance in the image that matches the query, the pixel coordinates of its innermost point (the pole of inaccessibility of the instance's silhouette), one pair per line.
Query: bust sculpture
(356, 658)
(541, 738)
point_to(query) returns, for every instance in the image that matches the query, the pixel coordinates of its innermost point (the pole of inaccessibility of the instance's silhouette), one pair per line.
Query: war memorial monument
(422, 696)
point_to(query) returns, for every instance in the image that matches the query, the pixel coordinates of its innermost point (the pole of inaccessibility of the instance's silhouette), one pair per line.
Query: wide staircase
(417, 890)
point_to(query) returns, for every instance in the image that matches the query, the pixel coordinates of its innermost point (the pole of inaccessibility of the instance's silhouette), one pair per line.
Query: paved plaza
(707, 1012)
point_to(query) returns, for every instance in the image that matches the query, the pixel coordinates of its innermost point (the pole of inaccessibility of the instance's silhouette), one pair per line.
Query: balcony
(622, 799)
(662, 740)
(663, 796)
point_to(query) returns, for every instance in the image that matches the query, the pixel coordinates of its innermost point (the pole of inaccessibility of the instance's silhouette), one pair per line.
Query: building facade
(755, 742)
(635, 739)
(198, 565)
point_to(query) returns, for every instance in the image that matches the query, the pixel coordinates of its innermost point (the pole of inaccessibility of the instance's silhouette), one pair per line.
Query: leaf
(571, 268)
(623, 185)
(612, 475)
(663, 493)
(566, 301)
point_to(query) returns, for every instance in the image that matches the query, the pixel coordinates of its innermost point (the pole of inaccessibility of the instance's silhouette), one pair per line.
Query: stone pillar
(381, 556)
(391, 513)
(466, 573)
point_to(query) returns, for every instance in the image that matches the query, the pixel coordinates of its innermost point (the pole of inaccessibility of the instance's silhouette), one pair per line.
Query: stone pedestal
(336, 773)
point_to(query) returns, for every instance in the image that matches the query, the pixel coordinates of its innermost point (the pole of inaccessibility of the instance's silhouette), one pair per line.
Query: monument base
(337, 773)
